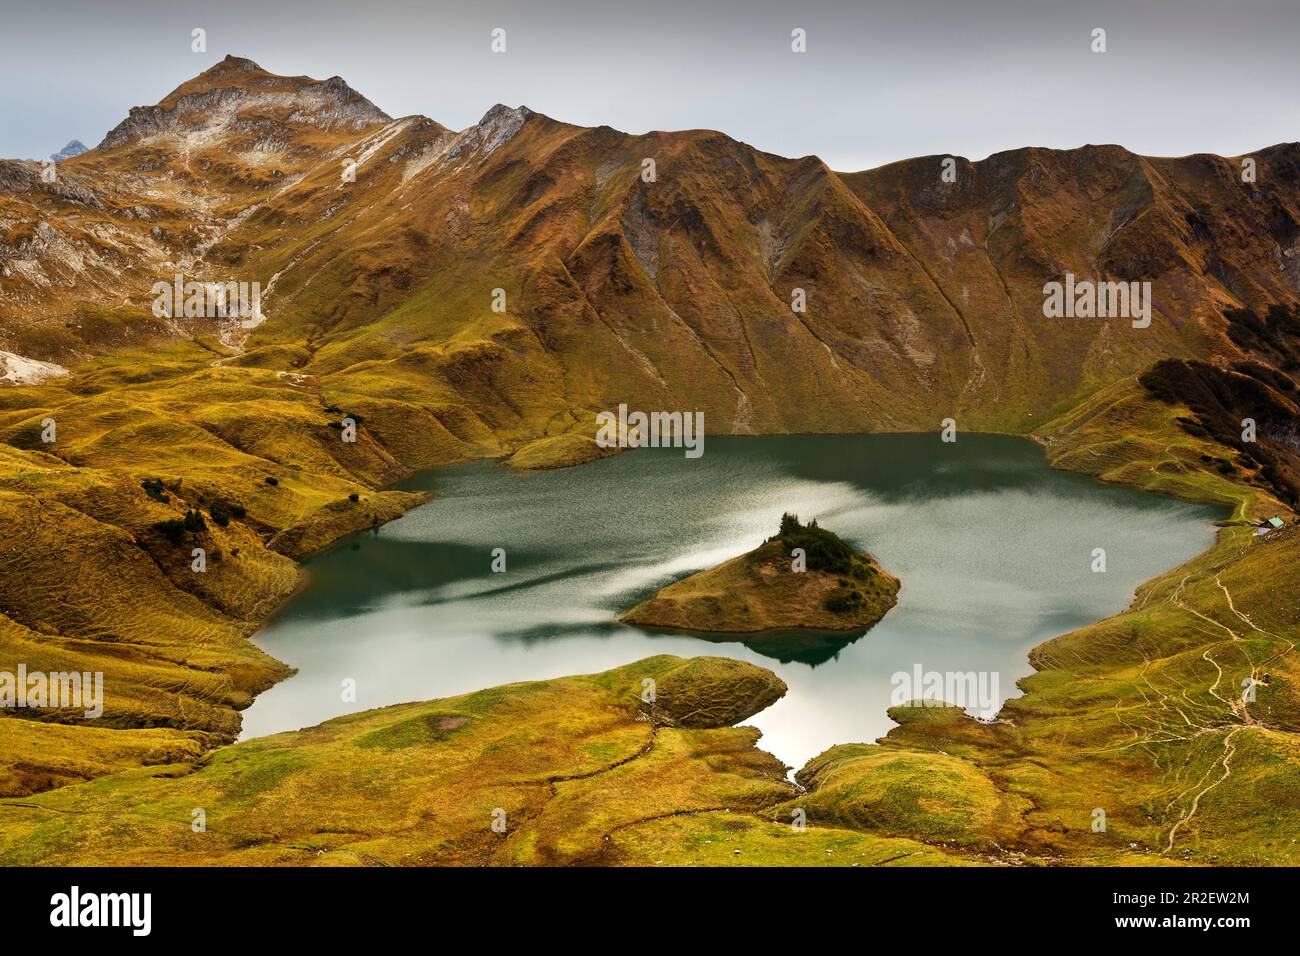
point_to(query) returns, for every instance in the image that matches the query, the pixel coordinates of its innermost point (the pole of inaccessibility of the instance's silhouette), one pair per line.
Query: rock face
(237, 97)
(761, 591)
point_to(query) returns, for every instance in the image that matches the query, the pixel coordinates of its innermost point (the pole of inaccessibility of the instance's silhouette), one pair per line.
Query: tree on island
(825, 551)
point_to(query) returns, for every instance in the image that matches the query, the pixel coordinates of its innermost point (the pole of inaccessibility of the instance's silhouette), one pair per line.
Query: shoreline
(706, 636)
(909, 744)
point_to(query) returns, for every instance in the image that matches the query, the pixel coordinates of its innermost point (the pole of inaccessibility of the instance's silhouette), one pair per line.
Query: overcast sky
(881, 79)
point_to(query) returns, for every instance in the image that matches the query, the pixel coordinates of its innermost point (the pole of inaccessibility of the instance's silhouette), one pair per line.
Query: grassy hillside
(98, 562)
(921, 299)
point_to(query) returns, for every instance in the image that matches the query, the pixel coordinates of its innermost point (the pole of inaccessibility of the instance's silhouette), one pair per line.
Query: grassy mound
(931, 797)
(715, 692)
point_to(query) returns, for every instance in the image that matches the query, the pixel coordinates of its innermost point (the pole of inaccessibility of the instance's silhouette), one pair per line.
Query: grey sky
(882, 79)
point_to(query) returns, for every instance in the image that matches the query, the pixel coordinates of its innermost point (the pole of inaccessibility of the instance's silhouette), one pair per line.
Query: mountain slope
(924, 298)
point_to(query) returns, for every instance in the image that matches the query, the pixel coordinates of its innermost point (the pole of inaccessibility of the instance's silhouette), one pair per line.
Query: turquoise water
(994, 550)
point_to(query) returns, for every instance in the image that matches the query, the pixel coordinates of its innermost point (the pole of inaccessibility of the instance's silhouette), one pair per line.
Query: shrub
(173, 529)
(153, 487)
(841, 602)
(272, 481)
(825, 550)
(221, 513)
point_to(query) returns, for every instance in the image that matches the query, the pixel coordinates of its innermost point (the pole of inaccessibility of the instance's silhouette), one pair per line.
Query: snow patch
(20, 370)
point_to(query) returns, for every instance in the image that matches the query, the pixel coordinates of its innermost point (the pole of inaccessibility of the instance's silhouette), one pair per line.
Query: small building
(1269, 526)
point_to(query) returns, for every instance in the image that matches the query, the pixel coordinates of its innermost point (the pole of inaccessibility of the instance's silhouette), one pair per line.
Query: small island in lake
(804, 578)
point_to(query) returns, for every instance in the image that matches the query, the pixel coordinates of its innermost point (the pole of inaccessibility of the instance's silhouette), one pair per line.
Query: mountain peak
(499, 112)
(234, 63)
(498, 125)
(74, 148)
(238, 97)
